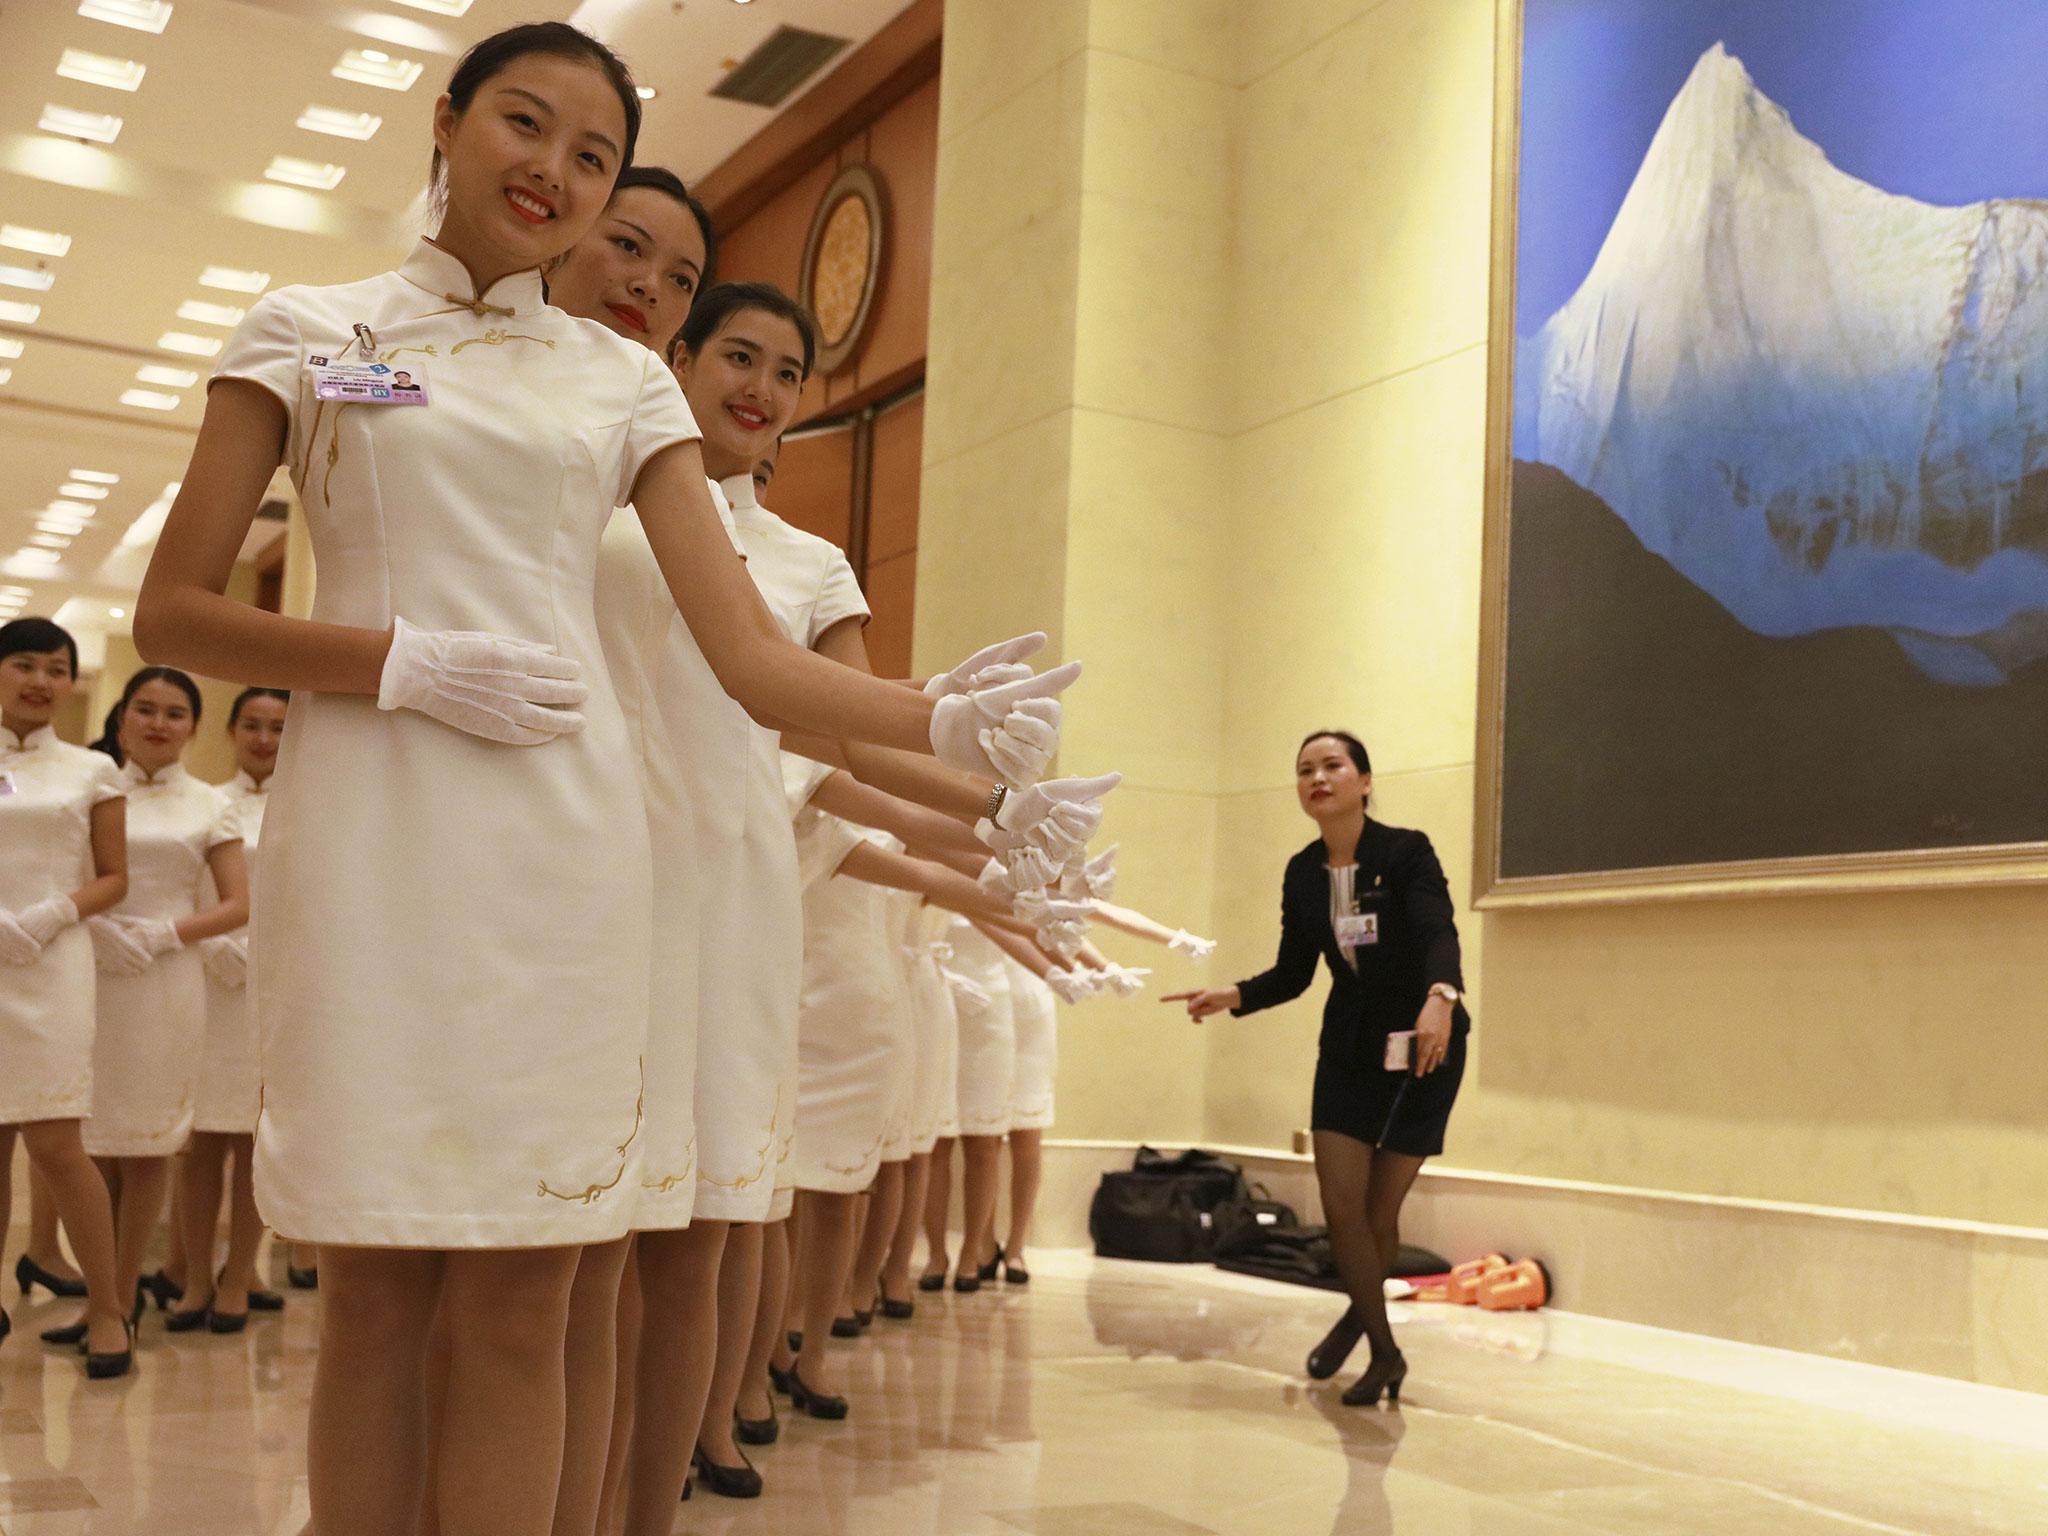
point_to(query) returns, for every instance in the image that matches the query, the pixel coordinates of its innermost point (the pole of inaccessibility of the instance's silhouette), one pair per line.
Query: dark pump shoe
(847, 1327)
(162, 1289)
(988, 1271)
(1328, 1357)
(898, 1311)
(778, 1381)
(757, 1431)
(1381, 1376)
(302, 1279)
(929, 1283)
(740, 1482)
(1015, 1274)
(106, 1367)
(265, 1301)
(28, 1274)
(819, 1405)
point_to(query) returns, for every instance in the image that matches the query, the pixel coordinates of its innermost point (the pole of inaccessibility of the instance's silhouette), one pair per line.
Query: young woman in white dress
(223, 1143)
(187, 882)
(456, 918)
(63, 859)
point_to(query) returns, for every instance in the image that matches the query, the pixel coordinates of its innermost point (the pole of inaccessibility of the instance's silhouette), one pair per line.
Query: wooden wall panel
(893, 478)
(892, 594)
(813, 485)
(903, 146)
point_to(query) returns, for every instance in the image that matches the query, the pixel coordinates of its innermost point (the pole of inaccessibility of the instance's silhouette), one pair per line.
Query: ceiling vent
(770, 75)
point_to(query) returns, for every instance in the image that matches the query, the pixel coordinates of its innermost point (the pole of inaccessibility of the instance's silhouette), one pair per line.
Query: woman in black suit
(1372, 901)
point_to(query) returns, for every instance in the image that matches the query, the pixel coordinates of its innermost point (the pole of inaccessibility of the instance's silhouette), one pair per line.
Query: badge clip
(366, 339)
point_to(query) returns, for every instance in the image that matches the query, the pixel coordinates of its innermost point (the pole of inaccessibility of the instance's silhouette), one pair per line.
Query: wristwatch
(1448, 993)
(996, 797)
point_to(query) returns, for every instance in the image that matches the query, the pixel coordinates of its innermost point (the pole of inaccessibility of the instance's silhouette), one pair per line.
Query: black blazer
(1400, 879)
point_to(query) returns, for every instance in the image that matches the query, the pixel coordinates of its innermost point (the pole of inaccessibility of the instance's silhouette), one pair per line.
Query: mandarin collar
(133, 776)
(246, 784)
(12, 745)
(739, 492)
(439, 275)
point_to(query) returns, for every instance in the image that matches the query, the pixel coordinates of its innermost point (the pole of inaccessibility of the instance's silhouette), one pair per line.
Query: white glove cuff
(390, 682)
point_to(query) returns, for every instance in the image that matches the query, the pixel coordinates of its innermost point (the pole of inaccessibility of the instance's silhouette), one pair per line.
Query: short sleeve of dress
(227, 823)
(822, 845)
(801, 777)
(106, 782)
(839, 597)
(266, 350)
(661, 419)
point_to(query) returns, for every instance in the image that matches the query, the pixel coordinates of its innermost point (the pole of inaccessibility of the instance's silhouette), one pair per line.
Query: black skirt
(1394, 1111)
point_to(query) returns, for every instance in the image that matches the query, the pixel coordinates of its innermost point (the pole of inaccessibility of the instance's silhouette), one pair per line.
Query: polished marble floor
(1132, 1400)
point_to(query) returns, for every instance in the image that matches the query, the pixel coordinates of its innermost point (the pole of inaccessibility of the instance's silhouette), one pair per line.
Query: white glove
(1185, 943)
(1068, 805)
(1069, 986)
(988, 667)
(1099, 873)
(967, 993)
(502, 690)
(1125, 980)
(227, 959)
(1038, 909)
(1025, 869)
(1011, 731)
(17, 945)
(941, 951)
(157, 935)
(1063, 937)
(115, 950)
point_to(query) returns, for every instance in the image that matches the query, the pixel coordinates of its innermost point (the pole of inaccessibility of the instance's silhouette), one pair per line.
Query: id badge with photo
(366, 383)
(1359, 930)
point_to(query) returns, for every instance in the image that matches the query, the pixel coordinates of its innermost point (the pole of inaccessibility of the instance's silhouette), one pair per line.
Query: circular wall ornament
(843, 263)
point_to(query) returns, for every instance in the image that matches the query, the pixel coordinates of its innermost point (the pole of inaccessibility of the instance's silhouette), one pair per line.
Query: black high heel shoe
(1381, 1376)
(898, 1311)
(99, 1367)
(6, 1323)
(1015, 1274)
(847, 1327)
(302, 1279)
(966, 1282)
(987, 1271)
(28, 1274)
(778, 1381)
(72, 1334)
(265, 1301)
(819, 1405)
(930, 1283)
(1328, 1357)
(864, 1320)
(740, 1482)
(162, 1289)
(758, 1431)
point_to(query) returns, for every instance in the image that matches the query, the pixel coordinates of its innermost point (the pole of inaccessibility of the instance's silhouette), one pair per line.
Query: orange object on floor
(1519, 1287)
(1467, 1278)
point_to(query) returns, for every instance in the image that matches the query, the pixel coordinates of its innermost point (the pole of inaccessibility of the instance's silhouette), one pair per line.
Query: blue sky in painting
(1941, 100)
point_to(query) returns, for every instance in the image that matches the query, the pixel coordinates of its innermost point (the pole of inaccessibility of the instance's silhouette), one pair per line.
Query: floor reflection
(1104, 1400)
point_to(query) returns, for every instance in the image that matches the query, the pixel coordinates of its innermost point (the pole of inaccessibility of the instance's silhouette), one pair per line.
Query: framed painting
(1766, 602)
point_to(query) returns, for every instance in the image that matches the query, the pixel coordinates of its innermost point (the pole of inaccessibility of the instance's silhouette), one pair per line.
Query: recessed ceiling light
(193, 346)
(98, 69)
(41, 242)
(149, 399)
(439, 7)
(70, 509)
(37, 556)
(371, 66)
(234, 280)
(19, 313)
(9, 347)
(294, 172)
(50, 540)
(340, 124)
(142, 15)
(210, 314)
(65, 526)
(32, 278)
(117, 613)
(153, 373)
(68, 123)
(645, 92)
(71, 490)
(95, 476)
(6, 374)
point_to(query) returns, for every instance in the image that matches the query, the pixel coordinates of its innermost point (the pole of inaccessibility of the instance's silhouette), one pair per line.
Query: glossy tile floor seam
(1136, 1400)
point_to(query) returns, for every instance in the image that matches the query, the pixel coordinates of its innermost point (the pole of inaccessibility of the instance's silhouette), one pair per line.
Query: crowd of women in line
(626, 958)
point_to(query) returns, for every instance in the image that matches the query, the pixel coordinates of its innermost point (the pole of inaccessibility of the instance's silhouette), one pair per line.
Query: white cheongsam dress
(454, 937)
(152, 1027)
(937, 1025)
(988, 1035)
(1034, 1011)
(231, 1069)
(48, 789)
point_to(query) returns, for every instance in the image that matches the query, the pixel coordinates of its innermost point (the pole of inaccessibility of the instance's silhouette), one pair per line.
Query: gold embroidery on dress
(334, 448)
(865, 1158)
(590, 1194)
(476, 307)
(497, 338)
(431, 349)
(761, 1159)
(662, 1186)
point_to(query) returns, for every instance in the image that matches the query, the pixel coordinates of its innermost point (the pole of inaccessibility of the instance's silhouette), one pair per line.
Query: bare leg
(983, 1156)
(434, 1406)
(611, 1507)
(769, 1334)
(792, 1290)
(45, 1248)
(1342, 1168)
(1027, 1164)
(678, 1349)
(739, 1296)
(176, 1266)
(7, 1191)
(820, 1278)
(903, 1247)
(197, 1210)
(245, 1228)
(938, 1207)
(137, 1209)
(80, 1194)
(590, 1356)
(877, 1235)
(365, 1443)
(502, 1433)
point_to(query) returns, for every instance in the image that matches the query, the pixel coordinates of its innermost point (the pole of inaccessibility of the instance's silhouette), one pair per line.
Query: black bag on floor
(1163, 1209)
(1236, 1220)
(1299, 1255)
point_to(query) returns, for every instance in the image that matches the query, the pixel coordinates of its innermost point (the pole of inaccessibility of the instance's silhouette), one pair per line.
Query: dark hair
(38, 636)
(661, 179)
(1360, 758)
(491, 56)
(715, 306)
(235, 709)
(110, 743)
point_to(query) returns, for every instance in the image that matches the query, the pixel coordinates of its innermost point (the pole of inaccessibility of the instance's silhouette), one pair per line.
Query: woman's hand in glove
(1010, 732)
(227, 959)
(989, 666)
(1185, 943)
(115, 950)
(502, 690)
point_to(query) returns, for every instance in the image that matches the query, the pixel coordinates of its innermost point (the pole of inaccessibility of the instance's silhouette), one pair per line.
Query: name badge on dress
(1358, 930)
(367, 383)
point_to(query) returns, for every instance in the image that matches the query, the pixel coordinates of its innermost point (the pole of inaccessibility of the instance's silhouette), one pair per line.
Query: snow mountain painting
(1778, 554)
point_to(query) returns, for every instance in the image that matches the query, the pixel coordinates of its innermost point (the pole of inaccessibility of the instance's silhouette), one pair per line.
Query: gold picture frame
(1903, 869)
